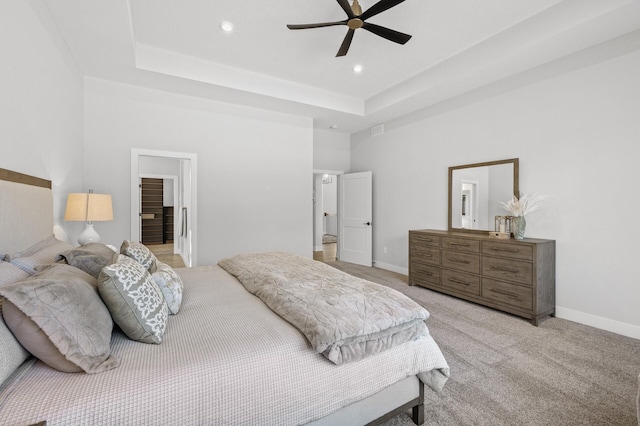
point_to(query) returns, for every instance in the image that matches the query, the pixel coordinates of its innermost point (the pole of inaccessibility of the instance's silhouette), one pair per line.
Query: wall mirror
(475, 192)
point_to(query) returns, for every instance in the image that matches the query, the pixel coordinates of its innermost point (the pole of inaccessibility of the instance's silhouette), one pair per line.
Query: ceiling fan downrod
(355, 7)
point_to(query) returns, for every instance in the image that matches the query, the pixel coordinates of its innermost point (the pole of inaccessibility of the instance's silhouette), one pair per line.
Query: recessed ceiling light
(226, 26)
(357, 68)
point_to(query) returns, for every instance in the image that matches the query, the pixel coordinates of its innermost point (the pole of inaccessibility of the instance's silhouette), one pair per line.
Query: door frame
(136, 153)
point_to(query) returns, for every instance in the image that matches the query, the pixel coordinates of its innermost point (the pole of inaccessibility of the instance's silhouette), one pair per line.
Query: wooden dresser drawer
(463, 262)
(460, 281)
(463, 244)
(423, 274)
(507, 269)
(505, 293)
(515, 276)
(513, 251)
(428, 255)
(416, 238)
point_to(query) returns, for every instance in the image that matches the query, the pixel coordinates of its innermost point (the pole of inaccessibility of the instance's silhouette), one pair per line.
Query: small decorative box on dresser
(515, 276)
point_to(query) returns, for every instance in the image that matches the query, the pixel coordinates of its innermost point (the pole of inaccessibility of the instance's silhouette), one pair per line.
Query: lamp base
(89, 235)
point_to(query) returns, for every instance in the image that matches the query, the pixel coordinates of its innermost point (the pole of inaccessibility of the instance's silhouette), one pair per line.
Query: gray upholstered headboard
(26, 211)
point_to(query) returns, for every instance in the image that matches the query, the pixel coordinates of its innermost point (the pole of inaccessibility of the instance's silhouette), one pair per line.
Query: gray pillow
(11, 273)
(60, 318)
(43, 253)
(12, 354)
(90, 258)
(140, 253)
(33, 249)
(134, 300)
(171, 286)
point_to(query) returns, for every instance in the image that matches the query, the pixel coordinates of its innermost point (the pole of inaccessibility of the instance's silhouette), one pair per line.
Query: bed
(224, 358)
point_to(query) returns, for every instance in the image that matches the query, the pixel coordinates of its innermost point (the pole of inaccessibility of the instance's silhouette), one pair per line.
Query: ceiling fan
(357, 19)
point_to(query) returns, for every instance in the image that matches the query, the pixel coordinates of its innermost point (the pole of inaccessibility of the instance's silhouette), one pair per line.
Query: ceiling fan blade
(321, 24)
(344, 48)
(344, 4)
(379, 7)
(389, 34)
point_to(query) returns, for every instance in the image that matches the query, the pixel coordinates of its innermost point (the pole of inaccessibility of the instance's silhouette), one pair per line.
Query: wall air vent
(377, 130)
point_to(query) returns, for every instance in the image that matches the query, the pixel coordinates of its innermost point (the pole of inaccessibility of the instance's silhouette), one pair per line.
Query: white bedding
(226, 358)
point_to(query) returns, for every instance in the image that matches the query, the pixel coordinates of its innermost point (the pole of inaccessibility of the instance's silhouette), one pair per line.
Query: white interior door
(355, 218)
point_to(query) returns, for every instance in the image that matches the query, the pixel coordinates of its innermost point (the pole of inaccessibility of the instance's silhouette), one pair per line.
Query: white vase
(518, 225)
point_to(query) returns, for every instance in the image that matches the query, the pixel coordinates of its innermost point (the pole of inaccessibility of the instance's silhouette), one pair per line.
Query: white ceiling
(458, 46)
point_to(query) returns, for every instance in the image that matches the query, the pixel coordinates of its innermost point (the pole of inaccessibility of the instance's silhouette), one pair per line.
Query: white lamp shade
(88, 207)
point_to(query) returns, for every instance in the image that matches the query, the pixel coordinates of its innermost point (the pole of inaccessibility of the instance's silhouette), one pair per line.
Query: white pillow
(171, 286)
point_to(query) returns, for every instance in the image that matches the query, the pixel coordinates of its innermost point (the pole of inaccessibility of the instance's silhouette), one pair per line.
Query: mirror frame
(516, 188)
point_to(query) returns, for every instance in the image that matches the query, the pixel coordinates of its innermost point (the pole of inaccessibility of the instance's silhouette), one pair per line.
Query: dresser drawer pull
(424, 272)
(428, 240)
(505, 293)
(453, 280)
(463, 261)
(421, 256)
(459, 244)
(503, 269)
(505, 249)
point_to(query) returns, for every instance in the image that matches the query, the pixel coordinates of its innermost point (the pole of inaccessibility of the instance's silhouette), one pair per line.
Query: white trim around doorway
(135, 174)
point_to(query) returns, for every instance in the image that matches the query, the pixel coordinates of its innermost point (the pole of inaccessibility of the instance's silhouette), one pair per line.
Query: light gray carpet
(505, 371)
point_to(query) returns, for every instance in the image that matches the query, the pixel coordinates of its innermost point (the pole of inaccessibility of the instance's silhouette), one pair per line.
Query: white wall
(577, 139)
(254, 167)
(40, 104)
(330, 195)
(331, 150)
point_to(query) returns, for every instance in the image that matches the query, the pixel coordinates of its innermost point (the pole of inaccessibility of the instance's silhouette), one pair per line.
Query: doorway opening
(179, 172)
(325, 215)
(468, 214)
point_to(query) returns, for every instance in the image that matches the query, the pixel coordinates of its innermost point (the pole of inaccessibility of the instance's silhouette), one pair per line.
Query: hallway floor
(328, 253)
(164, 253)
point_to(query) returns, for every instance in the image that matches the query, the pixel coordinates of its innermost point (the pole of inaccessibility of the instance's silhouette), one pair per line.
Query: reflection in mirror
(475, 192)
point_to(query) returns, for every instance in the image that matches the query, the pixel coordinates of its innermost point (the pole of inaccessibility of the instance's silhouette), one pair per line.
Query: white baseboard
(392, 268)
(591, 320)
(317, 248)
(602, 323)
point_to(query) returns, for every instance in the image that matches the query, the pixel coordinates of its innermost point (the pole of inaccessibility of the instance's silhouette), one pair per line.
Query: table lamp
(88, 208)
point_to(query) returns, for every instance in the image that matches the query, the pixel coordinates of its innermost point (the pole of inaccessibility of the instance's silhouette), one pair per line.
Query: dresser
(515, 276)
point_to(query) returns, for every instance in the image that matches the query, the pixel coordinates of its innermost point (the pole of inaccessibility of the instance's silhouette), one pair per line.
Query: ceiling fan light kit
(357, 19)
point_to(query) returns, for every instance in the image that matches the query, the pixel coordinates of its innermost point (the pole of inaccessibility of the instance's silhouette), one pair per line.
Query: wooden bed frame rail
(416, 405)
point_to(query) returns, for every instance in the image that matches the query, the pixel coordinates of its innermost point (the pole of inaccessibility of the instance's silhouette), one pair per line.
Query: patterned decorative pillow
(134, 300)
(90, 258)
(171, 286)
(140, 253)
(43, 253)
(59, 317)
